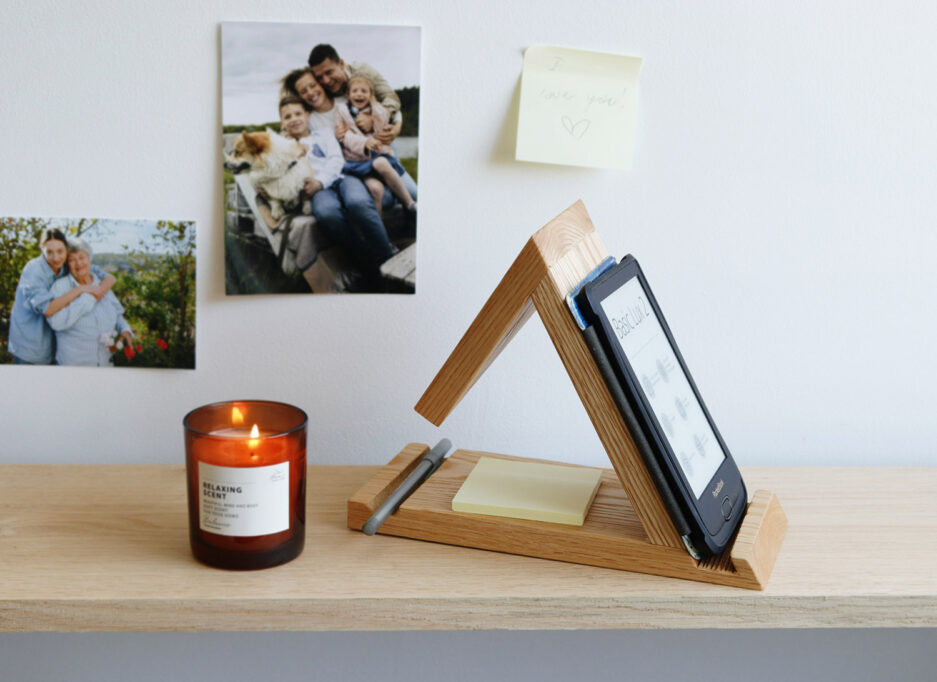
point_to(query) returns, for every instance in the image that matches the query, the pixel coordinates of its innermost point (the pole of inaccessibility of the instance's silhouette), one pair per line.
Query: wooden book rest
(628, 526)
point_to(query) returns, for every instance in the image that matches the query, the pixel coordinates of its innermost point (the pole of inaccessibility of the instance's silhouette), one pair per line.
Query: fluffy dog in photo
(276, 166)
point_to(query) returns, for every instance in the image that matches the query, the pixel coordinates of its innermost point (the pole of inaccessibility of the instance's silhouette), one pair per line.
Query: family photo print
(97, 292)
(320, 130)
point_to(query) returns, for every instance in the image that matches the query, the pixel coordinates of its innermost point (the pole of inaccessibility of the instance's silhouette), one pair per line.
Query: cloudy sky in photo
(110, 235)
(255, 56)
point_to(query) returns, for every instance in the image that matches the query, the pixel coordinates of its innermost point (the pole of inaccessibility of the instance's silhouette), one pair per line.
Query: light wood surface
(557, 244)
(611, 537)
(605, 417)
(553, 262)
(105, 548)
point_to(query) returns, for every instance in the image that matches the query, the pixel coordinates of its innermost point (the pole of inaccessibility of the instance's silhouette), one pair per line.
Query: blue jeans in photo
(347, 214)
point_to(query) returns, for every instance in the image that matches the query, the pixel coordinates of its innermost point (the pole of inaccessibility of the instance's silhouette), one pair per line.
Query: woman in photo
(86, 327)
(325, 113)
(322, 107)
(31, 340)
(341, 203)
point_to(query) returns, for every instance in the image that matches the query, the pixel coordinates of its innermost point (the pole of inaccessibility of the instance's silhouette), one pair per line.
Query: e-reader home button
(726, 508)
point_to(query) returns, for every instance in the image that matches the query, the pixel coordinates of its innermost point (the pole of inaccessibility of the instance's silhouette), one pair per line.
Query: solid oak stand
(628, 526)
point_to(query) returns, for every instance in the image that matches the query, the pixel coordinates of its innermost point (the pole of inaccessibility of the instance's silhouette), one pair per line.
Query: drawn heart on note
(577, 129)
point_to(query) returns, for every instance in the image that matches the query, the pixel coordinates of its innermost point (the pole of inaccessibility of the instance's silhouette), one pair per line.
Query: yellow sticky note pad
(528, 490)
(577, 108)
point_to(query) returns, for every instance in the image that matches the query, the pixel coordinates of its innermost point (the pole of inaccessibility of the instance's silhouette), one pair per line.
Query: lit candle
(246, 486)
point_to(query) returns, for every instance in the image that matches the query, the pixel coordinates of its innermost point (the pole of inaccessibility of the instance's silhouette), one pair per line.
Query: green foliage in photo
(155, 284)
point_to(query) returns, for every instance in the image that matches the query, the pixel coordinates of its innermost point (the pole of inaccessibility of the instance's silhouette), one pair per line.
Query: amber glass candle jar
(246, 471)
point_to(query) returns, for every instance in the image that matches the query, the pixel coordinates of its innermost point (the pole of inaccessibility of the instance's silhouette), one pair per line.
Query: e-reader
(693, 461)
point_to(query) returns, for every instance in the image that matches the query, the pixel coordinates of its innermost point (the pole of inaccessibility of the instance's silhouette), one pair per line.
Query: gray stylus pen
(424, 468)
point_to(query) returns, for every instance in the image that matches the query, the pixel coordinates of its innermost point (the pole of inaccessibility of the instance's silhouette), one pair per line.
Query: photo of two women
(97, 292)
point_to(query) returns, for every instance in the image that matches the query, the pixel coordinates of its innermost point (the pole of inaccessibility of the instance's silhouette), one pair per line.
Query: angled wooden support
(570, 244)
(628, 526)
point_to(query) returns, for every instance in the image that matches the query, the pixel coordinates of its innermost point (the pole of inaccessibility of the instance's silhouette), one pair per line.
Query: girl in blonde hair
(359, 119)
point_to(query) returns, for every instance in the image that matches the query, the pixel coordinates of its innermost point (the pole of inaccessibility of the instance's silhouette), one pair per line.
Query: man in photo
(363, 155)
(333, 73)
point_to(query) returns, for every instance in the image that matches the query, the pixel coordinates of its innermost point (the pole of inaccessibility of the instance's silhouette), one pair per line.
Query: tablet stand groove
(628, 526)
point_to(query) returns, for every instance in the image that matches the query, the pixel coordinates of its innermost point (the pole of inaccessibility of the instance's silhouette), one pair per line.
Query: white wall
(781, 203)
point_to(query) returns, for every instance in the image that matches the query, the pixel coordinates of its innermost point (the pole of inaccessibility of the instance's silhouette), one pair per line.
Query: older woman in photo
(83, 325)
(31, 341)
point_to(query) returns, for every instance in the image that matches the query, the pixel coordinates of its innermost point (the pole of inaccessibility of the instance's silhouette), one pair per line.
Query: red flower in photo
(139, 347)
(162, 344)
(129, 351)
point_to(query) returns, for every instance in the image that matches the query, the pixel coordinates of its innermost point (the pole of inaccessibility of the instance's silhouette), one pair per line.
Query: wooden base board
(612, 536)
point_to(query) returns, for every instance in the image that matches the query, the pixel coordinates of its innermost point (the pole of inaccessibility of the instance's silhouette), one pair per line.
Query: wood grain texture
(759, 538)
(605, 417)
(372, 495)
(611, 537)
(554, 261)
(502, 316)
(505, 312)
(105, 548)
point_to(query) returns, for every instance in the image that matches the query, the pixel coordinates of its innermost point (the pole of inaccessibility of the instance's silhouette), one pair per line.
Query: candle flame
(237, 417)
(255, 437)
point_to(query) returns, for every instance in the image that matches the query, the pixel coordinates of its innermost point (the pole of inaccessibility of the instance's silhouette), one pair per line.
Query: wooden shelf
(105, 548)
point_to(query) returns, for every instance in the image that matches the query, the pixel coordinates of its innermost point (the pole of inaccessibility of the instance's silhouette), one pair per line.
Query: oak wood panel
(509, 307)
(612, 535)
(105, 548)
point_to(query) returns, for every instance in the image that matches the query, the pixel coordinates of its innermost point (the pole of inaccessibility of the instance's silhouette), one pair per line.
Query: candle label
(244, 501)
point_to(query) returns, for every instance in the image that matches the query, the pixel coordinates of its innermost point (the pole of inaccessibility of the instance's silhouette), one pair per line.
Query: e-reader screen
(664, 383)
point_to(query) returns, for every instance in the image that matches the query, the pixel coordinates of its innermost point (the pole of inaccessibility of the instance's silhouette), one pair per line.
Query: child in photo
(360, 118)
(320, 146)
(294, 118)
(340, 203)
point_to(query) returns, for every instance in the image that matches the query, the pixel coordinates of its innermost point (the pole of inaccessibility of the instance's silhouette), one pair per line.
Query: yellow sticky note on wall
(528, 490)
(577, 108)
